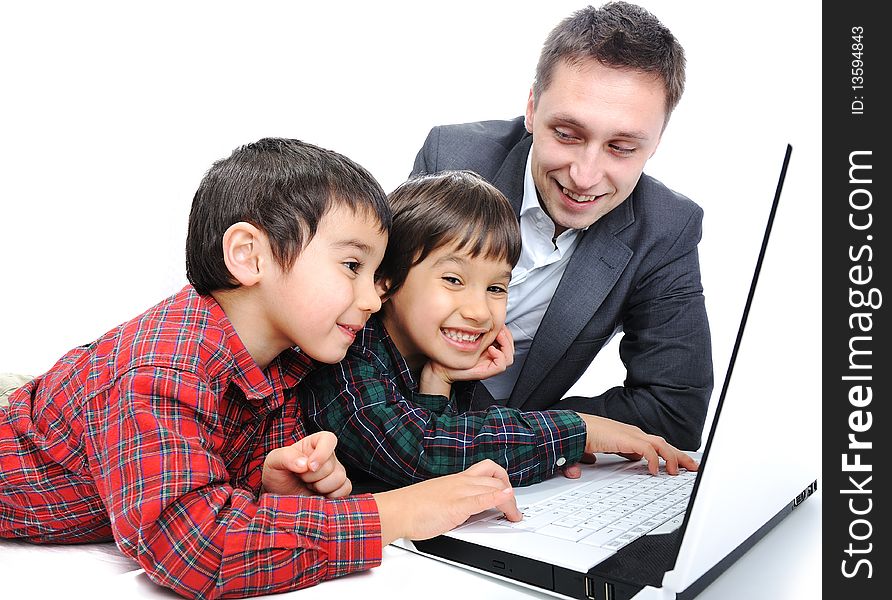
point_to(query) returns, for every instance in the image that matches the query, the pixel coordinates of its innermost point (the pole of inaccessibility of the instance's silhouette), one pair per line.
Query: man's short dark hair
(281, 186)
(618, 35)
(450, 207)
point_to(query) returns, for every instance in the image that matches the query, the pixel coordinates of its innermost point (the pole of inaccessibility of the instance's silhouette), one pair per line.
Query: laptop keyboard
(611, 514)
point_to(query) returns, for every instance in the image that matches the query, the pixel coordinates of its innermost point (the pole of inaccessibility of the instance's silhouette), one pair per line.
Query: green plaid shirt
(389, 430)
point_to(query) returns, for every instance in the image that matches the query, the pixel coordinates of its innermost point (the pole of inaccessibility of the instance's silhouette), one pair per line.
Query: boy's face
(449, 309)
(329, 292)
(594, 127)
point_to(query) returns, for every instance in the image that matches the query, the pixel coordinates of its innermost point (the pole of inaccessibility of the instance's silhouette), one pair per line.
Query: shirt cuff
(354, 535)
(563, 438)
(435, 403)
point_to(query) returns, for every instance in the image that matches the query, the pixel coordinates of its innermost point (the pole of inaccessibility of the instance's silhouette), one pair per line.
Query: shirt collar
(285, 371)
(375, 333)
(530, 195)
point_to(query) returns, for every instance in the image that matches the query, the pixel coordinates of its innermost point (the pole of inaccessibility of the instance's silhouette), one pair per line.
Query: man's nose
(587, 169)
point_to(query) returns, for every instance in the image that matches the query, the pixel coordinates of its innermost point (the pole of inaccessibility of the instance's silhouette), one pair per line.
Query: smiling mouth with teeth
(578, 197)
(459, 336)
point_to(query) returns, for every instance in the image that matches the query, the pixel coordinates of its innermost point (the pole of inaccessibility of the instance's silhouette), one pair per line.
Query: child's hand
(607, 435)
(493, 360)
(306, 468)
(574, 471)
(435, 506)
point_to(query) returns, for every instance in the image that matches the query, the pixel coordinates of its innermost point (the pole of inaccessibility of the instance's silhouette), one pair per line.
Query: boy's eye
(352, 265)
(497, 289)
(451, 279)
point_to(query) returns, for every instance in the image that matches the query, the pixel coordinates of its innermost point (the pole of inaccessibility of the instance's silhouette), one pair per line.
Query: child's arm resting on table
(174, 511)
(405, 439)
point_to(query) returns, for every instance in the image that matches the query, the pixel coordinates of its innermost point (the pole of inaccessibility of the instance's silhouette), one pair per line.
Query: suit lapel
(593, 270)
(509, 178)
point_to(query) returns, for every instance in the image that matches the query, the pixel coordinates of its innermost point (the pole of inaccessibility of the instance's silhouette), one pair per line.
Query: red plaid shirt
(156, 434)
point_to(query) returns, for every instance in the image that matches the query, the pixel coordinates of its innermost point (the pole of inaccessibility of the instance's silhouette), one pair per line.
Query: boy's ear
(244, 252)
(382, 286)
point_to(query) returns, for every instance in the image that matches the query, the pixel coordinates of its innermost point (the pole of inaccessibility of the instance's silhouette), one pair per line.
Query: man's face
(594, 127)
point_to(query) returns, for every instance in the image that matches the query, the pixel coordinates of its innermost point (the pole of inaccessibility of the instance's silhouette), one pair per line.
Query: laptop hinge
(643, 562)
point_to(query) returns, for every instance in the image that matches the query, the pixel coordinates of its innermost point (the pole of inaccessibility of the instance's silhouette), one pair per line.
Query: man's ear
(531, 109)
(244, 252)
(382, 286)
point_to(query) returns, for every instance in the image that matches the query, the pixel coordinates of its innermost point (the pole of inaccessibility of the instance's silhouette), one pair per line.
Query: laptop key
(574, 534)
(601, 537)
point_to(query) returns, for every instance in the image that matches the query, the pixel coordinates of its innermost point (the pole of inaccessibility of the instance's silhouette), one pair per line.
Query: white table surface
(785, 565)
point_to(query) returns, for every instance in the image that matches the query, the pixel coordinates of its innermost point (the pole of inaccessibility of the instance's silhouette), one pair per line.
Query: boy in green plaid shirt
(395, 402)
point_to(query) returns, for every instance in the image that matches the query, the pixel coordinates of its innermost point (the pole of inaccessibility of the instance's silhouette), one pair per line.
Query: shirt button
(561, 461)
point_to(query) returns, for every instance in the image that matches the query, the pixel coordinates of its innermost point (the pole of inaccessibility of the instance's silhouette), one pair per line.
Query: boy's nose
(367, 298)
(475, 309)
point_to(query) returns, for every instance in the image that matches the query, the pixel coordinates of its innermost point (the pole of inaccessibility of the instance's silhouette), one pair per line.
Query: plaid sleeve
(173, 511)
(404, 438)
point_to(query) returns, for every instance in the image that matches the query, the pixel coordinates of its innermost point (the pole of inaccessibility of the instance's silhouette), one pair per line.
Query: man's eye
(562, 135)
(622, 150)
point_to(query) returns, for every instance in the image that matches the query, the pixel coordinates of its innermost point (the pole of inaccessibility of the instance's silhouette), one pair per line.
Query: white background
(112, 112)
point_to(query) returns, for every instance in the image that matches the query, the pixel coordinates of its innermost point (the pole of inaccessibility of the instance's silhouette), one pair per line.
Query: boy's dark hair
(450, 207)
(281, 186)
(619, 35)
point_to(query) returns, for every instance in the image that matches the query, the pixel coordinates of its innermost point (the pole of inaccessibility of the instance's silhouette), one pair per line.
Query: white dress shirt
(543, 259)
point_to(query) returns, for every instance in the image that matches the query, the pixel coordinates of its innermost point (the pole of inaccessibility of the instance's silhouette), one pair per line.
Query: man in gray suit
(605, 247)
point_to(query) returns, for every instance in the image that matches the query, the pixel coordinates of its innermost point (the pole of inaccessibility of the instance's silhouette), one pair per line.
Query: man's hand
(498, 356)
(435, 506)
(607, 435)
(306, 468)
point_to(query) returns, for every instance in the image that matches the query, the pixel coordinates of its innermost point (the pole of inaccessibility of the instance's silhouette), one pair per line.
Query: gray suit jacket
(636, 270)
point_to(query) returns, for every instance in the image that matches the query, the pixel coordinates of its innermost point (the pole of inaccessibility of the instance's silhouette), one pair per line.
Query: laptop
(618, 532)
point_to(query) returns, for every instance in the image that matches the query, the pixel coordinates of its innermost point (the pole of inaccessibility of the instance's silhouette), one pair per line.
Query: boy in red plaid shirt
(178, 433)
